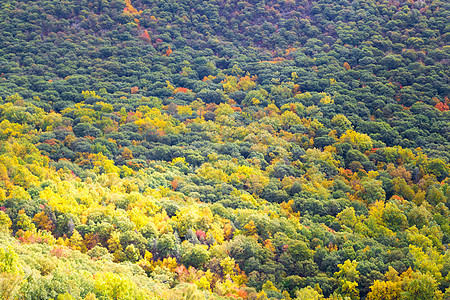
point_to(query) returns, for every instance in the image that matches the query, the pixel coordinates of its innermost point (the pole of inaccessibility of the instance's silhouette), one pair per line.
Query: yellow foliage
(204, 283)
(138, 217)
(230, 84)
(288, 118)
(114, 286)
(63, 203)
(169, 86)
(99, 160)
(216, 232)
(90, 94)
(269, 286)
(247, 83)
(8, 129)
(106, 107)
(250, 228)
(114, 244)
(169, 262)
(130, 9)
(341, 121)
(18, 192)
(375, 225)
(429, 261)
(328, 155)
(360, 140)
(207, 171)
(184, 110)
(163, 122)
(326, 99)
(384, 290)
(224, 109)
(192, 217)
(76, 241)
(226, 287)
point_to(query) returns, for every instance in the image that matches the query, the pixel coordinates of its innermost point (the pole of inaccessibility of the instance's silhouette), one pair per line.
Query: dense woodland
(222, 149)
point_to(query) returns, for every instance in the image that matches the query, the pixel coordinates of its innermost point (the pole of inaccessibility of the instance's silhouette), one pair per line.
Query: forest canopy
(271, 149)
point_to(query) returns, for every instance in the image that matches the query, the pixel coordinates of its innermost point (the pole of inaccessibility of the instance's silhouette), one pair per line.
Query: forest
(224, 149)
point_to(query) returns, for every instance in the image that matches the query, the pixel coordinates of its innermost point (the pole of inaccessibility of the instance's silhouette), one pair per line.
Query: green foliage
(194, 255)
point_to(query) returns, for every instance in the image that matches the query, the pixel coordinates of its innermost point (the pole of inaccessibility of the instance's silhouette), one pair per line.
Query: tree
(24, 222)
(86, 129)
(42, 221)
(394, 218)
(355, 156)
(299, 251)
(438, 167)
(194, 255)
(76, 241)
(421, 287)
(149, 231)
(359, 140)
(9, 261)
(132, 253)
(243, 248)
(5, 221)
(166, 245)
(372, 191)
(381, 290)
(342, 122)
(308, 293)
(112, 286)
(10, 273)
(347, 277)
(347, 217)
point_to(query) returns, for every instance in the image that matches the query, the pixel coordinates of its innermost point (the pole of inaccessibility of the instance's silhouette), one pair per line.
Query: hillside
(222, 149)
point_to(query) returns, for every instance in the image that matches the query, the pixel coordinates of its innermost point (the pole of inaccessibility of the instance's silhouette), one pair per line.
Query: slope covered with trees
(224, 149)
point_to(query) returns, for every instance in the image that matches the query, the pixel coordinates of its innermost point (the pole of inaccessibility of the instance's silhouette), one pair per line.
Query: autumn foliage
(130, 9)
(145, 36)
(224, 150)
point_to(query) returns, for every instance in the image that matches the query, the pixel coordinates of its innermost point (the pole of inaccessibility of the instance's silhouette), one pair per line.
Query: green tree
(194, 255)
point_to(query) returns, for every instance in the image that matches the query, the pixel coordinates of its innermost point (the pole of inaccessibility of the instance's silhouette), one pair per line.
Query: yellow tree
(347, 277)
(360, 140)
